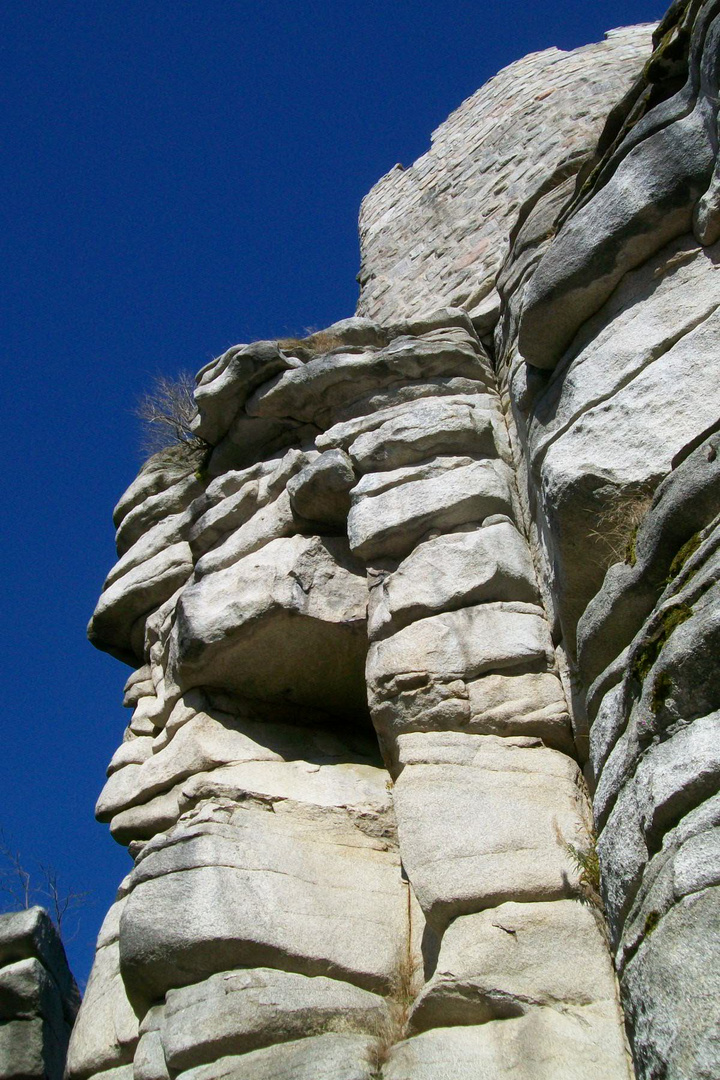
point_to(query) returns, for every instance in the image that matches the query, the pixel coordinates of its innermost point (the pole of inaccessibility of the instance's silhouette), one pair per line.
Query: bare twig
(167, 412)
(15, 880)
(22, 889)
(60, 903)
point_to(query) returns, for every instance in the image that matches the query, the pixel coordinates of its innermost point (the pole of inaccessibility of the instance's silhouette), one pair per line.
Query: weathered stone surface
(238, 1011)
(106, 1030)
(583, 1044)
(272, 522)
(163, 503)
(33, 1031)
(30, 934)
(250, 628)
(455, 570)
(149, 1062)
(169, 531)
(592, 459)
(356, 788)
(134, 595)
(321, 492)
(225, 384)
(685, 864)
(160, 472)
(323, 389)
(474, 835)
(27, 990)
(461, 644)
(321, 1057)
(392, 522)
(442, 425)
(261, 891)
(531, 704)
(675, 1031)
(22, 1051)
(121, 1072)
(204, 742)
(403, 401)
(678, 774)
(133, 751)
(508, 960)
(233, 499)
(138, 684)
(641, 196)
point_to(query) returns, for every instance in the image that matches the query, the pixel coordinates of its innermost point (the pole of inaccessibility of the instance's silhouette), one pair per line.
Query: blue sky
(176, 177)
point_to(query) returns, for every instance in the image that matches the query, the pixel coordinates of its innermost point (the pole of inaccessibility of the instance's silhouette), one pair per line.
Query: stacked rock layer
(38, 998)
(376, 647)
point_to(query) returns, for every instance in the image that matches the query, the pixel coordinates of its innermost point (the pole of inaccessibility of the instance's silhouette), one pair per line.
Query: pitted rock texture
(38, 997)
(425, 585)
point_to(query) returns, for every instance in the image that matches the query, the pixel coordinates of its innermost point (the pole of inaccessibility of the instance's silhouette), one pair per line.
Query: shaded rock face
(376, 647)
(608, 346)
(38, 998)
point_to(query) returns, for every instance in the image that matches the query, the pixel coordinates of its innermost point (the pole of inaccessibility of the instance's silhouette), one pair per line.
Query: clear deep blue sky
(177, 177)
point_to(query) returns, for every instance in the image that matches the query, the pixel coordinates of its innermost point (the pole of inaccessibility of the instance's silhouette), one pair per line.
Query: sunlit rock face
(348, 728)
(373, 649)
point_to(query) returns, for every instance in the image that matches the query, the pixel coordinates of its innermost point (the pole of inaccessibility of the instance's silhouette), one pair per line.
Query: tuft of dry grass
(617, 525)
(316, 344)
(393, 1028)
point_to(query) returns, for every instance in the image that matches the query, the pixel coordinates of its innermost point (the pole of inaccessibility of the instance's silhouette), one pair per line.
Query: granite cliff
(421, 778)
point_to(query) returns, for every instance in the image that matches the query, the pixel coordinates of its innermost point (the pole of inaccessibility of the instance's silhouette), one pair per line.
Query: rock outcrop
(38, 998)
(445, 569)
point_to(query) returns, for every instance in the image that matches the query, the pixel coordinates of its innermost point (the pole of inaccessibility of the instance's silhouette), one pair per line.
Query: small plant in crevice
(392, 1029)
(587, 861)
(651, 921)
(616, 527)
(661, 691)
(316, 344)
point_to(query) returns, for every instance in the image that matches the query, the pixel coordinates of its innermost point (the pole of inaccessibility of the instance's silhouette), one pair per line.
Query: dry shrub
(617, 525)
(166, 414)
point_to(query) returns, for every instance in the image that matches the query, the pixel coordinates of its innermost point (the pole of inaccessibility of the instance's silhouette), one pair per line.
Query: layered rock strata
(378, 575)
(376, 647)
(38, 998)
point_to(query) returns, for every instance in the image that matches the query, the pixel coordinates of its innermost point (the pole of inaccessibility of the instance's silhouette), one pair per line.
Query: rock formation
(437, 562)
(38, 998)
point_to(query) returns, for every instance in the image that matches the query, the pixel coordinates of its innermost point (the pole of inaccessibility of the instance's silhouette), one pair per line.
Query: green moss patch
(662, 688)
(670, 619)
(689, 548)
(651, 921)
